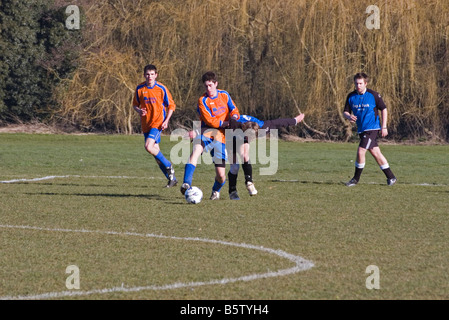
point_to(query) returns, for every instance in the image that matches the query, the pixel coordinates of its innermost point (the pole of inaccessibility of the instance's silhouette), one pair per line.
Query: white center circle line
(301, 264)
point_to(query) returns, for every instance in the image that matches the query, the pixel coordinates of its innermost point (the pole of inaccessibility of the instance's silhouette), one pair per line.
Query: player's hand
(164, 125)
(234, 124)
(299, 118)
(143, 112)
(191, 134)
(352, 118)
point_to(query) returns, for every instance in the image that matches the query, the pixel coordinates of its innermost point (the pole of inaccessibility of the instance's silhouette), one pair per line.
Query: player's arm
(384, 114)
(233, 110)
(140, 111)
(170, 104)
(347, 112)
(349, 116)
(167, 119)
(136, 105)
(380, 105)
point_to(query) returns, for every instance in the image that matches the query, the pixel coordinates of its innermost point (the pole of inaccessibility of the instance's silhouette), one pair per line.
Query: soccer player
(362, 107)
(215, 108)
(246, 122)
(154, 103)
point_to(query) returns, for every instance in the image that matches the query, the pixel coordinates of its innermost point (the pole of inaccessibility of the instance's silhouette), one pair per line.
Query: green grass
(108, 183)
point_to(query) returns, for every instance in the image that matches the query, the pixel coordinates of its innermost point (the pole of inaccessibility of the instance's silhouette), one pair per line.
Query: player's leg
(365, 142)
(234, 168)
(232, 177)
(247, 169)
(359, 163)
(190, 166)
(278, 123)
(152, 140)
(383, 164)
(219, 156)
(220, 180)
(234, 165)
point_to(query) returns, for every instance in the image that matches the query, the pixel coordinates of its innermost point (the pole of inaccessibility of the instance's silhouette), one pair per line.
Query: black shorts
(368, 139)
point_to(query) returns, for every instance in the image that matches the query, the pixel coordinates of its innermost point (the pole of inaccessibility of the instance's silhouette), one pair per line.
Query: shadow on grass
(362, 183)
(108, 195)
(309, 182)
(169, 199)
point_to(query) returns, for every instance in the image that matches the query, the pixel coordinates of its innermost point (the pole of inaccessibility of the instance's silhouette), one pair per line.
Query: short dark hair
(149, 67)
(209, 76)
(361, 75)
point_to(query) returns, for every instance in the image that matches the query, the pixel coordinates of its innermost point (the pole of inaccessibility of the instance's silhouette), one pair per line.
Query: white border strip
(300, 265)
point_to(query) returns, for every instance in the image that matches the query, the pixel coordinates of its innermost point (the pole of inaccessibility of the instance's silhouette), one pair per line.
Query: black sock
(357, 173)
(232, 182)
(388, 173)
(248, 171)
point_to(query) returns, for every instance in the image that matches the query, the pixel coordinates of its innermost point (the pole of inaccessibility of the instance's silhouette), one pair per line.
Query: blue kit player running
(362, 107)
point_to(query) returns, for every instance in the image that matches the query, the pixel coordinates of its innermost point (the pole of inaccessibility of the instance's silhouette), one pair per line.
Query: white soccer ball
(194, 195)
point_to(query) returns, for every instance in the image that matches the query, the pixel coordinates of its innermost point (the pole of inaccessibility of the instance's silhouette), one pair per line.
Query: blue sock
(162, 159)
(188, 173)
(163, 168)
(217, 186)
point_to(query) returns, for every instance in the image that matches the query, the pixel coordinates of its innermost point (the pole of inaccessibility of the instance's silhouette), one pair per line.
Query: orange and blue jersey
(156, 100)
(213, 111)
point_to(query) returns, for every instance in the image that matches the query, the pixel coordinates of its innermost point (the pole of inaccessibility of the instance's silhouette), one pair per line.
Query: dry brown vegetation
(276, 58)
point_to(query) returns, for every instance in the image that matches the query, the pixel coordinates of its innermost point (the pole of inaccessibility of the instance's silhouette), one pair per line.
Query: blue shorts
(154, 134)
(217, 149)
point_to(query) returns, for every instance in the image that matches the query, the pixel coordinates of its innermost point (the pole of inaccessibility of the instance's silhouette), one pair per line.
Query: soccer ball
(194, 195)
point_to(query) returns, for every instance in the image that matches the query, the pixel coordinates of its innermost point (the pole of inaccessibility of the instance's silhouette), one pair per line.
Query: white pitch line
(73, 176)
(34, 179)
(300, 265)
(424, 184)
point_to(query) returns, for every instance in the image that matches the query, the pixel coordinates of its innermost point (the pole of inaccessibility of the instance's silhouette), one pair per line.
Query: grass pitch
(97, 202)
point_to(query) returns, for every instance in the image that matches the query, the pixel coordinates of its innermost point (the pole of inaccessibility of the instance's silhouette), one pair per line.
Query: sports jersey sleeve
(380, 104)
(348, 105)
(246, 118)
(168, 99)
(233, 110)
(136, 99)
